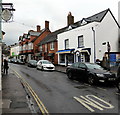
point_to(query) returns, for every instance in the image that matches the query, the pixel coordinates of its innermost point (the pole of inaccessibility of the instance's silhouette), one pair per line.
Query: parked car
(118, 78)
(91, 72)
(45, 65)
(32, 63)
(18, 61)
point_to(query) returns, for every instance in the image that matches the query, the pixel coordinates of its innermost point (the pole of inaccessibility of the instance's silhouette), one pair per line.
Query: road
(61, 95)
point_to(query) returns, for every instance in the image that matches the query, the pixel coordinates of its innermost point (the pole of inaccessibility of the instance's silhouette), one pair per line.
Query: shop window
(62, 58)
(70, 58)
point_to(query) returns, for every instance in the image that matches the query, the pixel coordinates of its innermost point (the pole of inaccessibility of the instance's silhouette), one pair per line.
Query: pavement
(13, 97)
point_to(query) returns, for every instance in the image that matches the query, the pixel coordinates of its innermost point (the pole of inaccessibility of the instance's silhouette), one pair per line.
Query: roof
(42, 31)
(34, 33)
(94, 18)
(52, 36)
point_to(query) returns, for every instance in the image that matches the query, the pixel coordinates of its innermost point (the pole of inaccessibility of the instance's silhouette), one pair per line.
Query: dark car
(118, 78)
(32, 63)
(91, 72)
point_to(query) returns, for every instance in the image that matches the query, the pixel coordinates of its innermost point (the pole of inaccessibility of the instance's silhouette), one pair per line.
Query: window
(45, 47)
(80, 41)
(52, 46)
(62, 58)
(30, 46)
(67, 44)
(41, 48)
(75, 65)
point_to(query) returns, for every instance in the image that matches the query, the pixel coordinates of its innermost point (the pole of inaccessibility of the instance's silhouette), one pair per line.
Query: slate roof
(52, 36)
(43, 30)
(94, 18)
(34, 33)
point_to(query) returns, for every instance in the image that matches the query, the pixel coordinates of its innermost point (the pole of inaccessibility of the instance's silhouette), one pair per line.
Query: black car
(91, 72)
(32, 63)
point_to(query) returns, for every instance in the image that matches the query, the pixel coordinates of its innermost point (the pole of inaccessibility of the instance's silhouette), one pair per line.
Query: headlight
(100, 75)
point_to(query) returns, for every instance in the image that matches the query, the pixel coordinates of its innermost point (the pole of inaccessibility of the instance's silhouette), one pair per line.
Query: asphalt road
(61, 95)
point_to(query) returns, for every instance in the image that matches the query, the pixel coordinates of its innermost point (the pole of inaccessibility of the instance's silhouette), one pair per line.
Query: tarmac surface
(13, 97)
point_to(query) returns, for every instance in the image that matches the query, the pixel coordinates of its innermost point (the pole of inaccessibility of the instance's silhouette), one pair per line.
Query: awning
(86, 50)
(65, 51)
(50, 54)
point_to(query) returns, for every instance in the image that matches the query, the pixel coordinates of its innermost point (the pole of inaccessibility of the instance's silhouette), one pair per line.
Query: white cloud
(30, 13)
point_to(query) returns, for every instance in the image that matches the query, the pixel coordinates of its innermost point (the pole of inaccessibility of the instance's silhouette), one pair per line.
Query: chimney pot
(38, 28)
(70, 19)
(46, 24)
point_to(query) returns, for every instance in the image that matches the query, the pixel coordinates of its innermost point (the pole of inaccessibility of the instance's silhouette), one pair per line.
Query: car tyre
(119, 85)
(70, 76)
(42, 68)
(91, 80)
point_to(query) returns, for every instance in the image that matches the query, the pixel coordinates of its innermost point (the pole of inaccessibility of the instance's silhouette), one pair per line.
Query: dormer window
(83, 22)
(70, 27)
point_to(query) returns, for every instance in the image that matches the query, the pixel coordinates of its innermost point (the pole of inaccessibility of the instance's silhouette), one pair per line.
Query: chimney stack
(46, 24)
(70, 19)
(38, 28)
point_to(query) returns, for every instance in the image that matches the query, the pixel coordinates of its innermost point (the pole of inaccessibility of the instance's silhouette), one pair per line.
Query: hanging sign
(6, 15)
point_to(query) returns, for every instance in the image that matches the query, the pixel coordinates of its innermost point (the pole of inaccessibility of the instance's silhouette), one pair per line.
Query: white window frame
(66, 43)
(41, 48)
(45, 47)
(52, 46)
(80, 41)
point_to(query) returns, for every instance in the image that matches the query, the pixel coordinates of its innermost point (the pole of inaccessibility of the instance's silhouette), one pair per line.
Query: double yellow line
(37, 99)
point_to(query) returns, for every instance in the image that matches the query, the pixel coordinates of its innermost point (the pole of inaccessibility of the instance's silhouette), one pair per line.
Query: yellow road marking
(37, 99)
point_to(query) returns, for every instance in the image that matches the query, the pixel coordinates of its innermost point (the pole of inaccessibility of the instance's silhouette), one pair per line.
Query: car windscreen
(33, 61)
(46, 62)
(94, 66)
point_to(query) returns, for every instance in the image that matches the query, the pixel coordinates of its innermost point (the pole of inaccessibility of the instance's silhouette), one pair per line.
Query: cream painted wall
(107, 30)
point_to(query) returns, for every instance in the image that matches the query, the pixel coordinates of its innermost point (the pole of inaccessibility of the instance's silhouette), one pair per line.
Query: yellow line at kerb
(37, 99)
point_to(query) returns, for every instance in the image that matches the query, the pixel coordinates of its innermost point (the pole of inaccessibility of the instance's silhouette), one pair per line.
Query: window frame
(80, 44)
(66, 44)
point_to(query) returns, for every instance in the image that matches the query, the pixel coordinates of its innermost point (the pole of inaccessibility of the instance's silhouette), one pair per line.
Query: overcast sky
(30, 13)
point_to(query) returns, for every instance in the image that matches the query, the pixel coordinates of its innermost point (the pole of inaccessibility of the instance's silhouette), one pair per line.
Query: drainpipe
(0, 47)
(94, 44)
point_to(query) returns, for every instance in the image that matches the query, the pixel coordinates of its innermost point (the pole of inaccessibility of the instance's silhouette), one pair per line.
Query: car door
(74, 68)
(81, 70)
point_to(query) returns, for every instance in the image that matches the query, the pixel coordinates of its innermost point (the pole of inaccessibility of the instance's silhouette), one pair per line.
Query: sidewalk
(60, 68)
(13, 95)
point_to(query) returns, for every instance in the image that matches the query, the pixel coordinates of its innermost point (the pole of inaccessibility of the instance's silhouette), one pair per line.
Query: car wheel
(70, 76)
(119, 85)
(42, 68)
(91, 80)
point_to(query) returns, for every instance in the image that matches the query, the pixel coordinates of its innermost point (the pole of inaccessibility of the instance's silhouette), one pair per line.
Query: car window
(75, 65)
(94, 66)
(46, 62)
(81, 65)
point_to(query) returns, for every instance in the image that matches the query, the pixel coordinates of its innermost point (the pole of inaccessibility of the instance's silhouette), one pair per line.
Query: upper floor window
(80, 41)
(52, 46)
(67, 44)
(30, 46)
(41, 48)
(45, 47)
